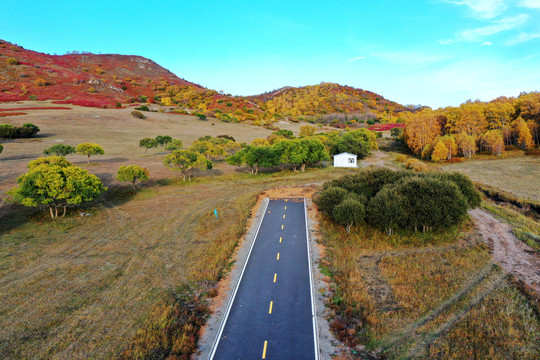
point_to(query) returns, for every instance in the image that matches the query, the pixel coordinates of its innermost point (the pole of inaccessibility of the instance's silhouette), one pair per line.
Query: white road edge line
(229, 306)
(311, 288)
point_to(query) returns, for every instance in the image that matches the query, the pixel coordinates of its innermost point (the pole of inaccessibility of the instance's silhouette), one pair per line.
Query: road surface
(271, 314)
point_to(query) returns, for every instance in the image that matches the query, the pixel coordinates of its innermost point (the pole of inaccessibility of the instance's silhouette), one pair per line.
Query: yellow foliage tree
(440, 152)
(525, 139)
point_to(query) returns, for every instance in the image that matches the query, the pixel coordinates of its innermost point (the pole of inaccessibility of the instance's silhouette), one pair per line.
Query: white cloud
(533, 4)
(486, 9)
(522, 37)
(487, 43)
(496, 27)
(357, 58)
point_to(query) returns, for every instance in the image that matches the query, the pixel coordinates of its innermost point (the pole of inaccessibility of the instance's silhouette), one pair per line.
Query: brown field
(518, 176)
(422, 295)
(118, 132)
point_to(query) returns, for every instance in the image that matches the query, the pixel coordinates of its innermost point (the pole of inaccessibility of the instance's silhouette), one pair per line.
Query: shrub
(59, 150)
(328, 198)
(369, 182)
(41, 82)
(416, 165)
(200, 116)
(11, 132)
(396, 132)
(143, 108)
(138, 114)
(1, 148)
(12, 61)
(50, 160)
(32, 97)
(400, 158)
(370, 122)
(226, 137)
(92, 90)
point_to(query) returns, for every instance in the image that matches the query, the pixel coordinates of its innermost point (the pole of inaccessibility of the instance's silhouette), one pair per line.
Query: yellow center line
(278, 256)
(284, 216)
(280, 238)
(264, 349)
(275, 277)
(285, 207)
(282, 227)
(271, 304)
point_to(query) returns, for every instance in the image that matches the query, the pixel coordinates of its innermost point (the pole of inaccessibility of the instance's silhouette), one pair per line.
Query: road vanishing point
(271, 314)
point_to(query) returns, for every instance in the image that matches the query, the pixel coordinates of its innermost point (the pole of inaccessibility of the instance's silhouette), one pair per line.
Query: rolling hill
(106, 80)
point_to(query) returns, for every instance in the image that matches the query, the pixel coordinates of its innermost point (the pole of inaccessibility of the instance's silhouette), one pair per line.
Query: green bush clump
(138, 114)
(391, 200)
(12, 132)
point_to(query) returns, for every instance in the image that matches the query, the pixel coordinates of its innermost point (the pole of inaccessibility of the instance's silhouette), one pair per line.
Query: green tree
(301, 152)
(349, 212)
(328, 198)
(396, 132)
(163, 140)
(148, 143)
(89, 149)
(56, 187)
(60, 150)
(1, 148)
(255, 157)
(27, 130)
(187, 162)
(50, 160)
(132, 173)
(359, 142)
(386, 210)
(287, 134)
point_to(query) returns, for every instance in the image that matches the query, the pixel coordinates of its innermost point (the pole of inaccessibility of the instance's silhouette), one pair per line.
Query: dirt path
(513, 255)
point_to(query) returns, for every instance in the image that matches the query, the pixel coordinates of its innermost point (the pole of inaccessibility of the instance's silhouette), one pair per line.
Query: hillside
(325, 98)
(105, 80)
(80, 79)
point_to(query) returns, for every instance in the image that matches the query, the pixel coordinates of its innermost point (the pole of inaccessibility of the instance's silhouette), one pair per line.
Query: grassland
(424, 295)
(518, 176)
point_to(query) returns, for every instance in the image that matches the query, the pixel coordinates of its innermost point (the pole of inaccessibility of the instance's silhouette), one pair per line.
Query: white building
(345, 160)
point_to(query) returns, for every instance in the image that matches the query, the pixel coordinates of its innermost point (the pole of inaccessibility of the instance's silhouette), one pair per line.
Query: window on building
(351, 160)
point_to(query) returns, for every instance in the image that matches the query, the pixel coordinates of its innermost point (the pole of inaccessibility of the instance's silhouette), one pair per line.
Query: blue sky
(430, 52)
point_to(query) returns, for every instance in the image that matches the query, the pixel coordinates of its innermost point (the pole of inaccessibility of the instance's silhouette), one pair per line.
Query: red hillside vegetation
(80, 79)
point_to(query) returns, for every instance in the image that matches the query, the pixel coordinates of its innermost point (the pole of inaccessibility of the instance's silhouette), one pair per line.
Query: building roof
(346, 153)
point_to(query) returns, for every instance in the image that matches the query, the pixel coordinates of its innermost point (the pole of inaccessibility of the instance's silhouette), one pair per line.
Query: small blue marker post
(215, 212)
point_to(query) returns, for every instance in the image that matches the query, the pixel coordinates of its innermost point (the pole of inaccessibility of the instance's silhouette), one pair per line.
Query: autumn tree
(421, 130)
(525, 139)
(56, 187)
(307, 130)
(451, 145)
(466, 144)
(132, 174)
(187, 162)
(49, 160)
(89, 149)
(440, 152)
(493, 141)
(59, 150)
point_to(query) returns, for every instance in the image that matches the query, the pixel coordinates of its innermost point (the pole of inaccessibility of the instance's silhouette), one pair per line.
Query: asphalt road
(271, 314)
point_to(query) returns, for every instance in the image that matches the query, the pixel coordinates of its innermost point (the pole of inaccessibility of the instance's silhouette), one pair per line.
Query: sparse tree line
(392, 200)
(504, 123)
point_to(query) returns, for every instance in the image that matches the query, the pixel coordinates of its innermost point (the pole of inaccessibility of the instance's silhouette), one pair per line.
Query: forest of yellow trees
(475, 126)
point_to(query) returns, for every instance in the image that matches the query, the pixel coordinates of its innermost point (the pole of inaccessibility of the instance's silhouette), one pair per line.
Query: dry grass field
(518, 176)
(433, 295)
(112, 284)
(118, 132)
